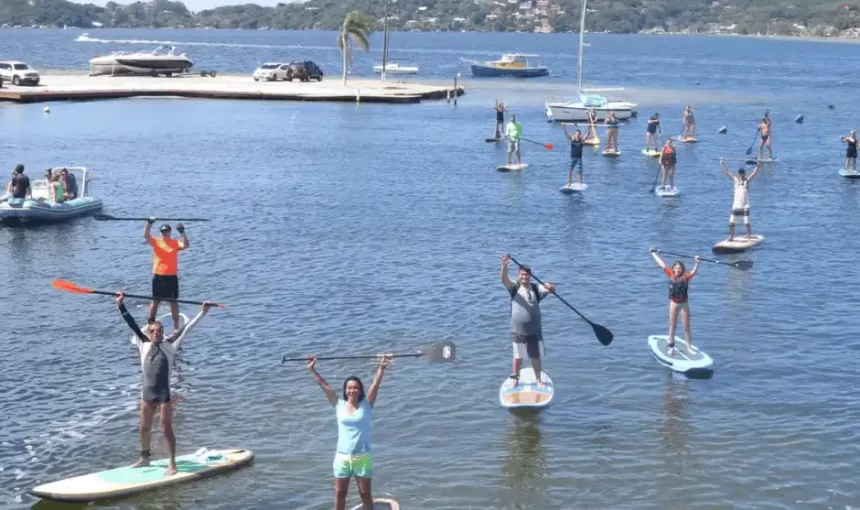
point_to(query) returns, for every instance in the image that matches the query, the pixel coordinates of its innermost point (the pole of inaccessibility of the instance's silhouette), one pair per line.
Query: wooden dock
(59, 87)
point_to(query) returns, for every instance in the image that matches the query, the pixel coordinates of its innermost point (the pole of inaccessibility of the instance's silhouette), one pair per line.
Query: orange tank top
(165, 256)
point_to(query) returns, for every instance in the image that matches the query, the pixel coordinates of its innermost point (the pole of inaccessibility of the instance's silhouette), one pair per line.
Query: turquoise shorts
(347, 466)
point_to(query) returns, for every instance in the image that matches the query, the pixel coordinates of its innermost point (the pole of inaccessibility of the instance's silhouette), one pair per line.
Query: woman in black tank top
(500, 119)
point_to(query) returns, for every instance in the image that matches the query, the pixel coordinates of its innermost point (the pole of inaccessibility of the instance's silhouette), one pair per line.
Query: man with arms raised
(165, 263)
(156, 361)
(526, 330)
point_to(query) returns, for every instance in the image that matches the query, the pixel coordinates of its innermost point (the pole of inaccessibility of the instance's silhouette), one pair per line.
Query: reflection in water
(675, 432)
(525, 463)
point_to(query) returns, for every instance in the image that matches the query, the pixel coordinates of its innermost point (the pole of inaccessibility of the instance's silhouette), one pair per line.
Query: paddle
(743, 265)
(440, 352)
(547, 146)
(603, 335)
(68, 286)
(654, 186)
(108, 217)
(749, 150)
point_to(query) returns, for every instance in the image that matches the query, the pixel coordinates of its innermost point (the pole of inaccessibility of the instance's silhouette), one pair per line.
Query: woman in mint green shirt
(352, 458)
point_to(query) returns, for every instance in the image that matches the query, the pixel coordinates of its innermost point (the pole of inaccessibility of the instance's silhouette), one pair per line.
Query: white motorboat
(576, 110)
(85, 37)
(396, 68)
(162, 60)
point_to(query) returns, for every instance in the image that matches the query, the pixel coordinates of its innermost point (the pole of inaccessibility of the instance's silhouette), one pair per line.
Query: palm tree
(356, 28)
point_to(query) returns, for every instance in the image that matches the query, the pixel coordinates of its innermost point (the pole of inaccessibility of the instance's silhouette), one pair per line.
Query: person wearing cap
(19, 186)
(165, 262)
(651, 139)
(741, 204)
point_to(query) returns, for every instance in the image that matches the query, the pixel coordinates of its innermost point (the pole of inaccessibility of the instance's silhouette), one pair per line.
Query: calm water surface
(354, 230)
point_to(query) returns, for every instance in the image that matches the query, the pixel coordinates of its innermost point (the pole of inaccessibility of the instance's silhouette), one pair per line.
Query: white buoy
(47, 109)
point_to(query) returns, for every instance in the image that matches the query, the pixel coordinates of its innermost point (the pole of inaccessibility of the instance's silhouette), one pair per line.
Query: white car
(271, 71)
(18, 73)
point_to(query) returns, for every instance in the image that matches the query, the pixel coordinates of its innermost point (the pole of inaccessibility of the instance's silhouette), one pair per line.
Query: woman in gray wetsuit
(156, 360)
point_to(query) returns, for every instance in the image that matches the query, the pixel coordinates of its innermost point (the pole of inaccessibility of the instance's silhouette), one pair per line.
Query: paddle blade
(102, 217)
(742, 264)
(68, 286)
(440, 352)
(549, 146)
(603, 335)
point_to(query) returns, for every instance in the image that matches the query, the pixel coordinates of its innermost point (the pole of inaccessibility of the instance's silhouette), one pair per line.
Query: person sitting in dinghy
(70, 185)
(679, 281)
(19, 186)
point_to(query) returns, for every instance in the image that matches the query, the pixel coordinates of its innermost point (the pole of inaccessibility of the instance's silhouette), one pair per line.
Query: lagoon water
(345, 229)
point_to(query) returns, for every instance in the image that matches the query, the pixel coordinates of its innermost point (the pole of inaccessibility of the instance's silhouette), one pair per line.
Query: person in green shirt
(514, 131)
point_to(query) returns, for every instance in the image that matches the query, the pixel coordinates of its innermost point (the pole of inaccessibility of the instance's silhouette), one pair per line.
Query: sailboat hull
(578, 112)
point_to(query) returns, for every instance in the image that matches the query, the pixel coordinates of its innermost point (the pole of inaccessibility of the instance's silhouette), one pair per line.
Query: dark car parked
(304, 70)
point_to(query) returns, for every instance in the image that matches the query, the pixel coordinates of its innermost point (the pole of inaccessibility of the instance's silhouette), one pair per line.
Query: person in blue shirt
(353, 412)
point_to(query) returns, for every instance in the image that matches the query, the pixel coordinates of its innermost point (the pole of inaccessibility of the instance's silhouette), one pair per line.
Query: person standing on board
(156, 361)
(689, 123)
(513, 132)
(668, 160)
(526, 329)
(352, 458)
(165, 263)
(651, 139)
(741, 203)
(591, 138)
(575, 154)
(851, 153)
(500, 120)
(19, 186)
(679, 281)
(611, 133)
(766, 136)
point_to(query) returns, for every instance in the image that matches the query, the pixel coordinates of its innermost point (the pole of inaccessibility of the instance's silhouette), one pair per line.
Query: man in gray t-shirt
(525, 317)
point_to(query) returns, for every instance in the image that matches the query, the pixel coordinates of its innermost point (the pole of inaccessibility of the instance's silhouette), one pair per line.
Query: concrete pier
(63, 87)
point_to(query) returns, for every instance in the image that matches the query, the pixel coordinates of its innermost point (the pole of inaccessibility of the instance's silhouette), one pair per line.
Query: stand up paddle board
(660, 191)
(851, 174)
(697, 363)
(685, 139)
(650, 152)
(739, 244)
(526, 394)
(512, 168)
(125, 481)
(166, 321)
(592, 142)
(754, 161)
(381, 504)
(611, 154)
(493, 139)
(572, 188)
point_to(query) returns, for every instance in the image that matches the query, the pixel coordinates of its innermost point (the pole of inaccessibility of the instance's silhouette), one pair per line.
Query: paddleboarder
(352, 458)
(851, 152)
(667, 164)
(500, 120)
(526, 329)
(741, 202)
(689, 123)
(165, 263)
(611, 133)
(575, 154)
(679, 281)
(513, 132)
(651, 139)
(591, 137)
(156, 361)
(766, 136)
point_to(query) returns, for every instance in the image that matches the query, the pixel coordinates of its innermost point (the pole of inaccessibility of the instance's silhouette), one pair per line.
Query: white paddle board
(685, 139)
(611, 154)
(381, 504)
(650, 153)
(515, 167)
(666, 192)
(572, 188)
(166, 321)
(753, 161)
(593, 142)
(697, 363)
(125, 481)
(738, 244)
(851, 174)
(526, 394)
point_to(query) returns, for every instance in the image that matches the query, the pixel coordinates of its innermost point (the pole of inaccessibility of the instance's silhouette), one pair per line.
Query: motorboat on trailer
(40, 209)
(162, 60)
(576, 110)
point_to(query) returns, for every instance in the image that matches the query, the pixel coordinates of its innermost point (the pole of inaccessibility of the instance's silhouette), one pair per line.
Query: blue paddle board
(692, 364)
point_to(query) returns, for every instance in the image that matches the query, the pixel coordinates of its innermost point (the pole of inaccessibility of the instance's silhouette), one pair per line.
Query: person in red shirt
(679, 281)
(165, 262)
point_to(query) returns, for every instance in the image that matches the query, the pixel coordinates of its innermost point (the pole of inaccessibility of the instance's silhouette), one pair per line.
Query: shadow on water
(525, 461)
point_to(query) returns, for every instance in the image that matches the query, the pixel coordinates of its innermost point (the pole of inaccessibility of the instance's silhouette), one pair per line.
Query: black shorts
(532, 342)
(165, 286)
(158, 396)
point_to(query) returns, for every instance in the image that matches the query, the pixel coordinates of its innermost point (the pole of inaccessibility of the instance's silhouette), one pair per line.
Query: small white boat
(84, 37)
(396, 68)
(41, 209)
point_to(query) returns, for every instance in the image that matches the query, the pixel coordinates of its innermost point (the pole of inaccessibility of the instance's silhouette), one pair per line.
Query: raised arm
(657, 258)
(380, 371)
(147, 230)
(725, 169)
(183, 239)
(564, 127)
(695, 270)
(129, 319)
(180, 336)
(329, 393)
(755, 172)
(506, 281)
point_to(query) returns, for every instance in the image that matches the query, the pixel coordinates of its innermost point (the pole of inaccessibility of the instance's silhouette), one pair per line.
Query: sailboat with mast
(387, 66)
(576, 110)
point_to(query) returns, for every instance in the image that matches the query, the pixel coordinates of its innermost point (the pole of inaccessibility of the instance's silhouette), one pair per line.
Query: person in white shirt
(741, 203)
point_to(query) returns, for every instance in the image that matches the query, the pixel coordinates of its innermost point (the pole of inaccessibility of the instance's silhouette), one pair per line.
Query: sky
(198, 5)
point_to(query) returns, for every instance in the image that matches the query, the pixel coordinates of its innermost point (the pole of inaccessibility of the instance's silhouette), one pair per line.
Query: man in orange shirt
(165, 262)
